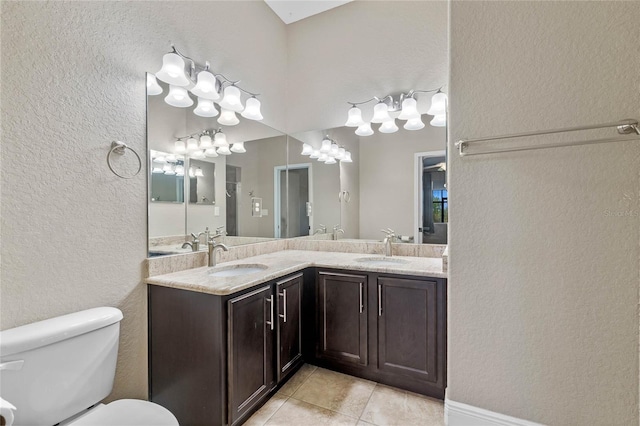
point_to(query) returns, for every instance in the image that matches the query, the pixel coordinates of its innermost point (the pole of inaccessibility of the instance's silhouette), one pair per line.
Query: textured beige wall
(543, 289)
(73, 81)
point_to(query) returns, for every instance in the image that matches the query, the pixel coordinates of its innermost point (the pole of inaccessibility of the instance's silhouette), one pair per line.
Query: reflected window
(440, 206)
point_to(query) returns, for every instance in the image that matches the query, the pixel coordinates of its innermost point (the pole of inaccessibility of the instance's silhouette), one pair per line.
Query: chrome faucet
(213, 248)
(220, 231)
(390, 236)
(321, 230)
(337, 230)
(195, 244)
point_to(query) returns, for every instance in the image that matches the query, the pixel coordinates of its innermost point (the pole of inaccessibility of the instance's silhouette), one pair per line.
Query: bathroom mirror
(396, 180)
(221, 188)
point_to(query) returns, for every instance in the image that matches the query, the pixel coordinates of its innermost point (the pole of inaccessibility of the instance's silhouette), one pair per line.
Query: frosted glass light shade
(323, 157)
(198, 172)
(330, 160)
(341, 154)
(238, 147)
(438, 104)
(364, 130)
(220, 140)
(168, 169)
(228, 117)
(388, 126)
(224, 150)
(178, 97)
(334, 149)
(172, 71)
(160, 159)
(205, 142)
(180, 147)
(252, 109)
(179, 170)
(205, 108)
(192, 144)
(315, 154)
(380, 113)
(206, 86)
(210, 152)
(306, 149)
(231, 99)
(409, 109)
(157, 168)
(197, 154)
(439, 120)
(171, 158)
(153, 88)
(347, 158)
(414, 124)
(355, 117)
(326, 146)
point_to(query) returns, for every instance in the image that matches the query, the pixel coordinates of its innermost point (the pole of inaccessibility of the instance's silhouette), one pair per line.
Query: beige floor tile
(390, 406)
(335, 391)
(298, 413)
(294, 382)
(261, 416)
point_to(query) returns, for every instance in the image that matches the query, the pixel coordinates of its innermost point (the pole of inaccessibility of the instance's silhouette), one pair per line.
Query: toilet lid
(128, 412)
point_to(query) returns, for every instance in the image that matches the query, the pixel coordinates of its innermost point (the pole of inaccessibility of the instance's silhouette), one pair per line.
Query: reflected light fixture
(210, 152)
(224, 150)
(228, 118)
(180, 147)
(205, 108)
(198, 172)
(178, 97)
(306, 149)
(404, 106)
(252, 109)
(220, 139)
(179, 170)
(205, 140)
(238, 148)
(315, 154)
(231, 99)
(192, 144)
(347, 158)
(153, 88)
(330, 152)
(330, 160)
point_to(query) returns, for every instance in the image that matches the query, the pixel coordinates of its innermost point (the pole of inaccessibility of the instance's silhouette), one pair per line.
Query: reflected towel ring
(120, 148)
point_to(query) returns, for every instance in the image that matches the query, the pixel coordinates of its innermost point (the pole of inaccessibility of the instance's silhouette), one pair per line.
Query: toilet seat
(127, 412)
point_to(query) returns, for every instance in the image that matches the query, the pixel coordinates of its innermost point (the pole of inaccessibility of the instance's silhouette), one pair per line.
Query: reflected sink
(381, 261)
(236, 270)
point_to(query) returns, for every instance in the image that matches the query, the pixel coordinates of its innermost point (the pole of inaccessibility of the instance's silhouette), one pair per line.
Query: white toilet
(57, 370)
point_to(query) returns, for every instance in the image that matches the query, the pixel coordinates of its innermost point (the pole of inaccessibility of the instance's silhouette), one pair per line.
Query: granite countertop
(286, 262)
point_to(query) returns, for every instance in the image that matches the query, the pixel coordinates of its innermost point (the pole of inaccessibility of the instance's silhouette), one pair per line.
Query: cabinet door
(251, 375)
(342, 317)
(289, 296)
(407, 328)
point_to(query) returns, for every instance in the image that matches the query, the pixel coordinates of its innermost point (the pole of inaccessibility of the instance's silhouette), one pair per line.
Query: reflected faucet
(390, 236)
(336, 231)
(321, 230)
(195, 244)
(213, 248)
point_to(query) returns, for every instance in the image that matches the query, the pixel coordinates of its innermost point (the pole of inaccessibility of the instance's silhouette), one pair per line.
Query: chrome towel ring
(120, 148)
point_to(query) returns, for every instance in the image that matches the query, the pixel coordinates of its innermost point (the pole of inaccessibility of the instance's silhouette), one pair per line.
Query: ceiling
(294, 10)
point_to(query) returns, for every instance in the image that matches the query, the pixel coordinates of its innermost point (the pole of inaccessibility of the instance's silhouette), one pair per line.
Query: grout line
(368, 400)
(278, 409)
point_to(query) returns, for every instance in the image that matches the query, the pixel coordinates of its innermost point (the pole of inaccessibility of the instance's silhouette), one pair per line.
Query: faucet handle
(195, 237)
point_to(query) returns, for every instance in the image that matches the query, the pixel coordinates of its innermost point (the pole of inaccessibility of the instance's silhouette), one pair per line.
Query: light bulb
(172, 71)
(238, 147)
(409, 109)
(334, 149)
(347, 158)
(439, 120)
(438, 104)
(198, 172)
(388, 126)
(228, 117)
(178, 97)
(364, 130)
(315, 154)
(153, 88)
(330, 160)
(306, 149)
(179, 170)
(252, 109)
(192, 144)
(355, 117)
(220, 140)
(414, 124)
(180, 147)
(326, 146)
(210, 152)
(323, 157)
(206, 86)
(231, 99)
(224, 150)
(205, 108)
(380, 113)
(205, 141)
(341, 153)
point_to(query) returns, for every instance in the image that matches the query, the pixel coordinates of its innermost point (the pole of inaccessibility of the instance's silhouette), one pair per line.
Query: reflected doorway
(432, 205)
(232, 193)
(294, 196)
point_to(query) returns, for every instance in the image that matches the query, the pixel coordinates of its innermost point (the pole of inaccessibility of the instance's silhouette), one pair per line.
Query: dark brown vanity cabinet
(213, 360)
(386, 328)
(342, 317)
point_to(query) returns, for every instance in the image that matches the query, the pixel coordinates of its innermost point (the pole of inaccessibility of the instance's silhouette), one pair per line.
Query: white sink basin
(381, 261)
(236, 270)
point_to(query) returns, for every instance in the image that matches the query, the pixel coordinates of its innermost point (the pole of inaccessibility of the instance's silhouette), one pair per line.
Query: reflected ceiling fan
(440, 167)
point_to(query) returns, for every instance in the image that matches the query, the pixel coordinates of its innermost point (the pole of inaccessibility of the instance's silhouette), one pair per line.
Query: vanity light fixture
(205, 140)
(220, 139)
(347, 158)
(224, 150)
(238, 148)
(206, 85)
(179, 170)
(192, 144)
(198, 172)
(330, 152)
(407, 106)
(180, 147)
(210, 152)
(157, 168)
(306, 149)
(315, 154)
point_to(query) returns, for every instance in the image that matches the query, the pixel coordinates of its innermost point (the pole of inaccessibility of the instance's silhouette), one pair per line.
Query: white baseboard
(459, 414)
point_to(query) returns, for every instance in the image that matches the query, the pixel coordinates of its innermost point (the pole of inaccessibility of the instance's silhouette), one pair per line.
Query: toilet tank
(53, 369)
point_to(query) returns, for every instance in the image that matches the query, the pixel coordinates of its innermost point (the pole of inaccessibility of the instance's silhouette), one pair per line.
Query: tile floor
(315, 396)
